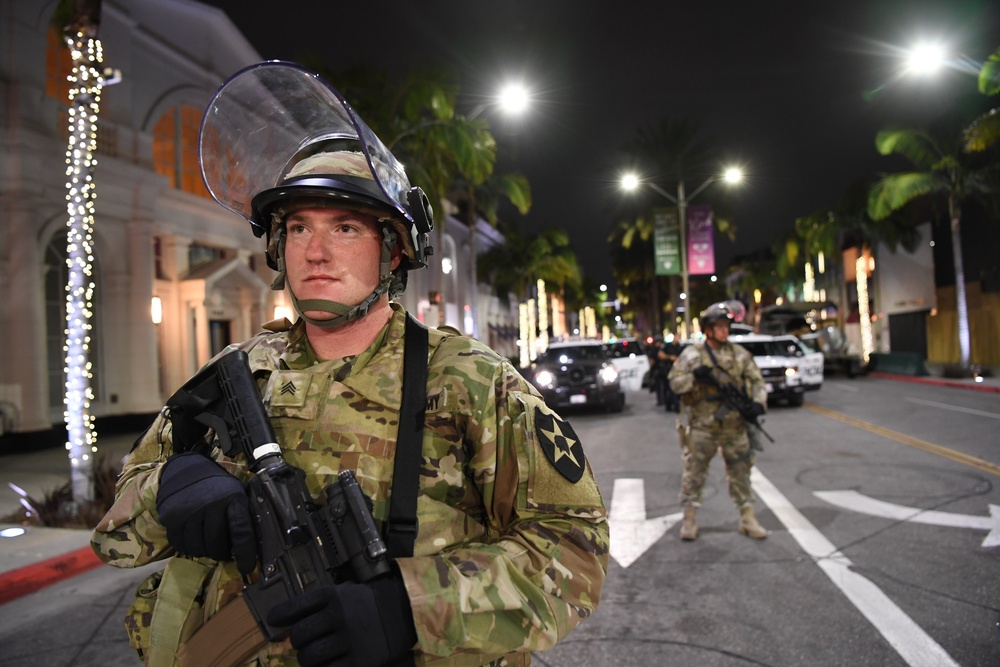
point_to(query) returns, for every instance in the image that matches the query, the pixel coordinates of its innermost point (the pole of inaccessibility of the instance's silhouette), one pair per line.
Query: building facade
(161, 244)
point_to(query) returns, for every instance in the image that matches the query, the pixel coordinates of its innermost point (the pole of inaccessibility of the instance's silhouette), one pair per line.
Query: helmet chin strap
(342, 314)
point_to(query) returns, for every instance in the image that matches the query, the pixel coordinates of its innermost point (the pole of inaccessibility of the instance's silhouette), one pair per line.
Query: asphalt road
(831, 586)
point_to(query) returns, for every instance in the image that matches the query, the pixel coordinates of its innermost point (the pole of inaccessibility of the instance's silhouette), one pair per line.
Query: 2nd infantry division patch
(560, 444)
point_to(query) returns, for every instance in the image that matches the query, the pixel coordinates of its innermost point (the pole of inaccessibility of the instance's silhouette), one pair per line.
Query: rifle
(733, 397)
(301, 546)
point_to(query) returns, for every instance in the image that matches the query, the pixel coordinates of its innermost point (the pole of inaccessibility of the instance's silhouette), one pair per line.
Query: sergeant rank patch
(560, 444)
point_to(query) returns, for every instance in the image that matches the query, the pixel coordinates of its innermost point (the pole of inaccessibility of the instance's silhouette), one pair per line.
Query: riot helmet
(714, 313)
(277, 138)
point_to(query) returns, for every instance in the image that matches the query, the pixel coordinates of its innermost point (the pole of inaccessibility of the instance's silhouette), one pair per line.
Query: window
(58, 67)
(160, 273)
(175, 149)
(199, 255)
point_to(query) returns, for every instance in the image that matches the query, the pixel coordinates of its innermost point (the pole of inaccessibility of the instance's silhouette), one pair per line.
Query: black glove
(206, 511)
(703, 373)
(756, 410)
(349, 624)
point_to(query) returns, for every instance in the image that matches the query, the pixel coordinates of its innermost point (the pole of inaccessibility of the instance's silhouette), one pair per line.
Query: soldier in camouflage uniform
(705, 432)
(512, 546)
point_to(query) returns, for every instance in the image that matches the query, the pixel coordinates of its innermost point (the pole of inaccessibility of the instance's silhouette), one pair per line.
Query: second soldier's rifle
(300, 545)
(733, 397)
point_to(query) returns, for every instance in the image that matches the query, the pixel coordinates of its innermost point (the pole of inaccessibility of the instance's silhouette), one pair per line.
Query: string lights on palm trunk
(86, 82)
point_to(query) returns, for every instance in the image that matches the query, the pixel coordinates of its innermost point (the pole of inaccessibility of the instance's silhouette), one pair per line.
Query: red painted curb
(938, 381)
(31, 578)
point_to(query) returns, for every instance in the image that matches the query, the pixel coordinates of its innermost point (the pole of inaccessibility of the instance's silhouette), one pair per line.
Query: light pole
(631, 181)
(512, 99)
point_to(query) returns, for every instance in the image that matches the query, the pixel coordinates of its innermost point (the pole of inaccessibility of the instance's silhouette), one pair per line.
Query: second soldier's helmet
(722, 310)
(277, 136)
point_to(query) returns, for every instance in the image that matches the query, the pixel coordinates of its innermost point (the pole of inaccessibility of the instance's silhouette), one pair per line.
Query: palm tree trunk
(961, 304)
(81, 37)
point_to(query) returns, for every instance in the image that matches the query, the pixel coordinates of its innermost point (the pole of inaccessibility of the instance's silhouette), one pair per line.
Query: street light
(513, 99)
(925, 58)
(632, 181)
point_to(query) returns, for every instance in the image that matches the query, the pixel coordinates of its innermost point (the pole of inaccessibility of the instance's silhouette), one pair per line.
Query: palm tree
(449, 155)
(669, 152)
(942, 170)
(985, 130)
(631, 244)
(514, 266)
(483, 199)
(78, 21)
(828, 231)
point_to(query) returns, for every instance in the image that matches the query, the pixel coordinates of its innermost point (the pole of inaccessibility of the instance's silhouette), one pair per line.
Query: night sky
(779, 84)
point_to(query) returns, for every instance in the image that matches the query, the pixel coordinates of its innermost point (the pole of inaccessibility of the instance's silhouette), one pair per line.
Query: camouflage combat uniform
(704, 434)
(510, 555)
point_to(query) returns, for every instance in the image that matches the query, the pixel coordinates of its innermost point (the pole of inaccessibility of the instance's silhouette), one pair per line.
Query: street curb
(941, 382)
(31, 578)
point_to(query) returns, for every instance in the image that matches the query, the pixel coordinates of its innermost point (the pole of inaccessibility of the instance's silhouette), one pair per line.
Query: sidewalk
(32, 557)
(990, 382)
(42, 556)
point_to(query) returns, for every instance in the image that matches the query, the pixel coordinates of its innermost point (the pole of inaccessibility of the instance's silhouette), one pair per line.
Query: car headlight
(545, 379)
(609, 374)
(791, 371)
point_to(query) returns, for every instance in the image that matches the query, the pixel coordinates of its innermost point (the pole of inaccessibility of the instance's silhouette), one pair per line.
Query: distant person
(666, 356)
(704, 433)
(506, 548)
(657, 378)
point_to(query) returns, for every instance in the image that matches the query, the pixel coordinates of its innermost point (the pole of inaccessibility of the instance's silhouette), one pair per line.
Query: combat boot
(689, 529)
(749, 525)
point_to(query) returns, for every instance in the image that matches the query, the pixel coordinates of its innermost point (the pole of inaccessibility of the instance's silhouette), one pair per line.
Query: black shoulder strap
(715, 362)
(711, 355)
(401, 529)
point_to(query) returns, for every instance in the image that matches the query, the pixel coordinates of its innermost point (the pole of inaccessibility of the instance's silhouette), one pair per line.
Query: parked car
(578, 373)
(810, 361)
(778, 365)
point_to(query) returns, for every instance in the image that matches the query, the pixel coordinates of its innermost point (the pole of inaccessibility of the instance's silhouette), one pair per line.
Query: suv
(577, 373)
(810, 361)
(777, 364)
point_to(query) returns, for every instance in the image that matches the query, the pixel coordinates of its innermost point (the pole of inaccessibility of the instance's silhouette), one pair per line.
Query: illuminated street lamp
(928, 58)
(632, 181)
(925, 58)
(513, 99)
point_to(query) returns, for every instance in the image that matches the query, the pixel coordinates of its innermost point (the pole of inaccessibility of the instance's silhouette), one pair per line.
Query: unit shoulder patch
(561, 445)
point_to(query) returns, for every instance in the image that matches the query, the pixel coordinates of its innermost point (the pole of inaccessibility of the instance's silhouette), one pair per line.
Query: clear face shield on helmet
(271, 116)
(276, 132)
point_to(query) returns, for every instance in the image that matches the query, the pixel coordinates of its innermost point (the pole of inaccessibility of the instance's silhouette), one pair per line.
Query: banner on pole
(701, 248)
(666, 243)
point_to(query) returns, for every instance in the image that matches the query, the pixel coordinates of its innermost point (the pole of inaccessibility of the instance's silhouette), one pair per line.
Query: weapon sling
(232, 635)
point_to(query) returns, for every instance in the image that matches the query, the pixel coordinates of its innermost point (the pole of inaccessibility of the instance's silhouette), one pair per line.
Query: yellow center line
(964, 459)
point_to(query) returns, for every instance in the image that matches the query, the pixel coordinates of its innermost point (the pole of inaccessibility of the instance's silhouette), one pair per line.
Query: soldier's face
(332, 254)
(719, 331)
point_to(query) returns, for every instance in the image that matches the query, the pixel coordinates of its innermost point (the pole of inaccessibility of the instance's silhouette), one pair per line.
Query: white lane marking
(908, 639)
(631, 532)
(858, 502)
(955, 408)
